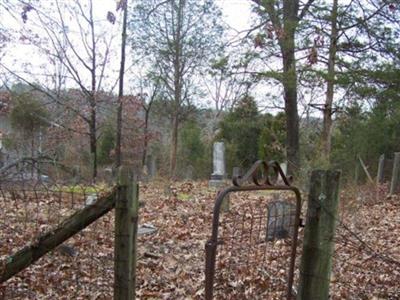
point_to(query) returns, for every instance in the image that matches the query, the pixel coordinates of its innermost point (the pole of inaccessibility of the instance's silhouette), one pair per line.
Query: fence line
(375, 272)
(53, 214)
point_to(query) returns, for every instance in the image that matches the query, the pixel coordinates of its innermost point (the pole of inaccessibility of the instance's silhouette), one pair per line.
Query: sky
(236, 14)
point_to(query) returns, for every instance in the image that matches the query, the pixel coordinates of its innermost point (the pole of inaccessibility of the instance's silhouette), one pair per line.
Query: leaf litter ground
(171, 261)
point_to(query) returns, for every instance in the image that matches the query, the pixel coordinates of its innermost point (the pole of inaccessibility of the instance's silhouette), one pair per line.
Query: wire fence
(80, 268)
(252, 261)
(366, 259)
(254, 249)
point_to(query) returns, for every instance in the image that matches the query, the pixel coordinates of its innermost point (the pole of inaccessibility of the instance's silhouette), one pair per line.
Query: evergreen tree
(271, 142)
(192, 151)
(106, 144)
(282, 21)
(241, 129)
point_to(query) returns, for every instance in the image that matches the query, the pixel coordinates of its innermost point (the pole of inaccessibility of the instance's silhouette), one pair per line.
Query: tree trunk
(287, 45)
(32, 153)
(145, 133)
(327, 123)
(118, 152)
(292, 127)
(93, 142)
(177, 89)
(174, 146)
(92, 100)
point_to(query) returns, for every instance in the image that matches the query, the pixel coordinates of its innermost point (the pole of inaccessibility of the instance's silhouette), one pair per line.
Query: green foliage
(250, 136)
(28, 114)
(374, 131)
(192, 146)
(183, 43)
(367, 134)
(192, 151)
(347, 140)
(240, 129)
(8, 143)
(219, 65)
(311, 157)
(382, 128)
(106, 145)
(271, 143)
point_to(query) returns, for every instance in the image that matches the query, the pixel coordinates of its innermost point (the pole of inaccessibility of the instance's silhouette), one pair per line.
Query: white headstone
(218, 162)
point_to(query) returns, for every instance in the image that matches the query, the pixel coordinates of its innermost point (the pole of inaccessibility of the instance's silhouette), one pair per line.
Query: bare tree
(226, 83)
(177, 37)
(70, 37)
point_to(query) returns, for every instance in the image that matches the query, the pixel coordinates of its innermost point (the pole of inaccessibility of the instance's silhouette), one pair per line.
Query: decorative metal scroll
(263, 174)
(240, 239)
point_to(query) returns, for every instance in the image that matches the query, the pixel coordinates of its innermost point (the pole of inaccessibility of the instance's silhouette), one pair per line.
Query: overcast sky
(236, 14)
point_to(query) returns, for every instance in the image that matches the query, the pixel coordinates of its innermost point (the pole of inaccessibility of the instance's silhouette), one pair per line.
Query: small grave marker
(146, 229)
(281, 220)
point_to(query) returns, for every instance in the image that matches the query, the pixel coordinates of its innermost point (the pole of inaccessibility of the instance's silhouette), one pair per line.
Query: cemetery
(199, 149)
(261, 240)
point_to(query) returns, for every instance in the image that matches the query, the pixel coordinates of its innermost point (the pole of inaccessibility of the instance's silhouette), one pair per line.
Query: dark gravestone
(281, 220)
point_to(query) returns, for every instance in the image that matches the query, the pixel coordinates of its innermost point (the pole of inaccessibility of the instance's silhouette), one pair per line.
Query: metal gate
(240, 239)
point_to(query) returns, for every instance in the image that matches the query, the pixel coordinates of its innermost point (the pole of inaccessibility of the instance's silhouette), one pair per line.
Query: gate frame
(240, 184)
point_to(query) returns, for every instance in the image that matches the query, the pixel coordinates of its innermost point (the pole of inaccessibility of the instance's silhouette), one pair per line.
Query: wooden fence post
(395, 174)
(316, 261)
(126, 225)
(365, 170)
(381, 165)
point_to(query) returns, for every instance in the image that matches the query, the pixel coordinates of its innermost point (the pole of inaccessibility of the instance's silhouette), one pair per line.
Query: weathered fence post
(395, 174)
(381, 165)
(126, 225)
(365, 170)
(316, 261)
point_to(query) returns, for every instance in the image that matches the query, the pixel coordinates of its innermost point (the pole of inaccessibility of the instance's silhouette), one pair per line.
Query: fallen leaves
(171, 261)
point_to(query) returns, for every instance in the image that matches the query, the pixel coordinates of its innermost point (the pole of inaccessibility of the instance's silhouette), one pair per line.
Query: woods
(189, 96)
(321, 54)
